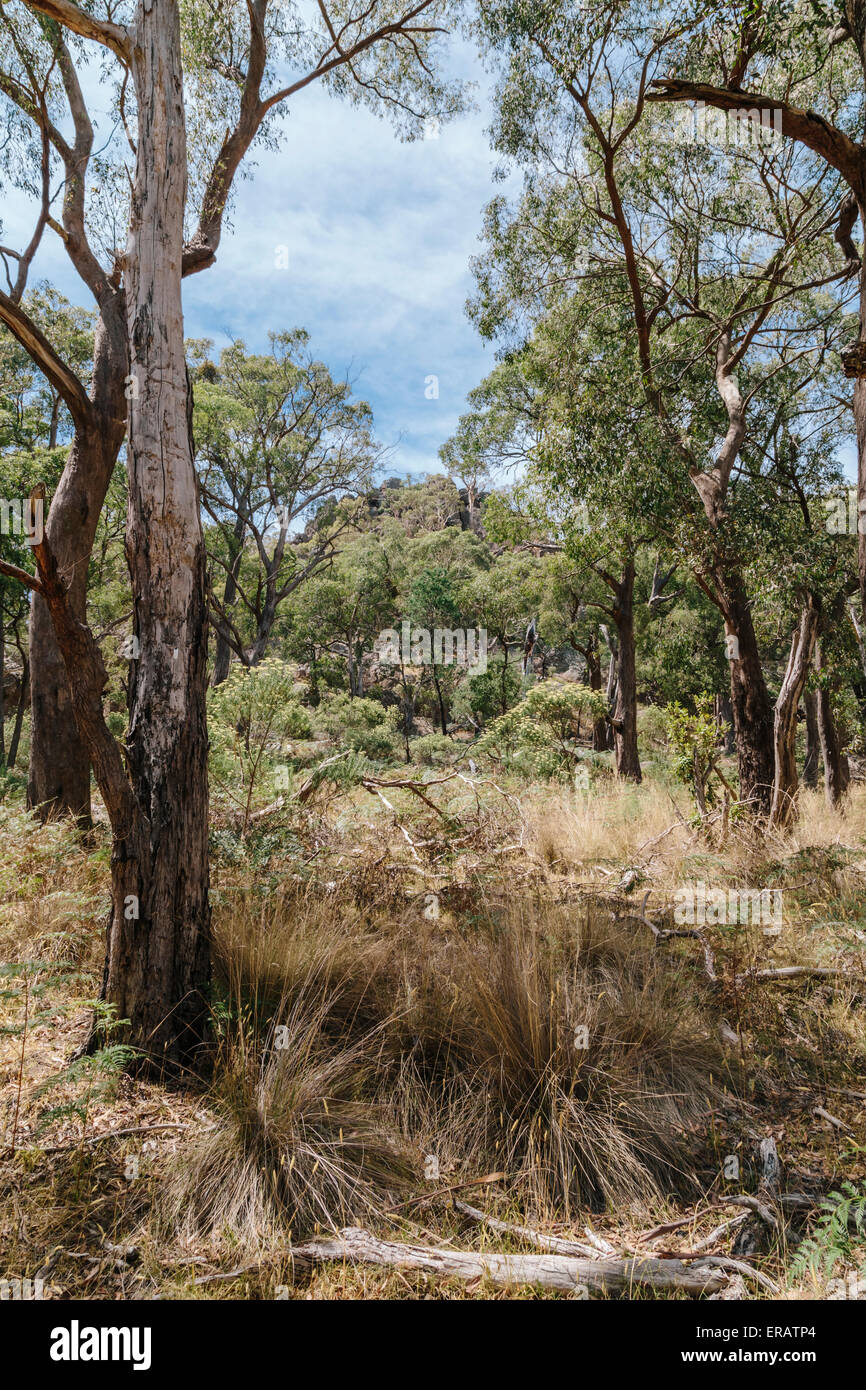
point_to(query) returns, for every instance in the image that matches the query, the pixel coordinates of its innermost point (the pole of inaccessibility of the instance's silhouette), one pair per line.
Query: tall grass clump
(593, 1062)
(299, 1141)
(547, 1041)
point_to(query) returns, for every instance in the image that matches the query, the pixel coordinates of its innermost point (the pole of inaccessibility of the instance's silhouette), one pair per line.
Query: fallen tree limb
(555, 1244)
(731, 1266)
(791, 972)
(358, 1246)
(831, 1119)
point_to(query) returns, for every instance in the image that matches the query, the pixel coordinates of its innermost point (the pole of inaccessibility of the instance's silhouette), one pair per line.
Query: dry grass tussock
(550, 1042)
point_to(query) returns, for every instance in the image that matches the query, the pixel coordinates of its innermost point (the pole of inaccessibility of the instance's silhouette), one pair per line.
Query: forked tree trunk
(784, 806)
(625, 709)
(265, 626)
(58, 781)
(158, 962)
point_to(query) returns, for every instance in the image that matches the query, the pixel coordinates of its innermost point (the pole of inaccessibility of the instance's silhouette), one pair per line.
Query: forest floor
(427, 962)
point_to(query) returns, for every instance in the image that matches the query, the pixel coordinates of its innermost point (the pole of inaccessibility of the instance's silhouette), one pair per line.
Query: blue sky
(378, 235)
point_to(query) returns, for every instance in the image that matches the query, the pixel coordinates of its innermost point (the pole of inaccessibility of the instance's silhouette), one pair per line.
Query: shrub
(359, 724)
(653, 728)
(695, 741)
(478, 699)
(250, 716)
(433, 750)
(540, 734)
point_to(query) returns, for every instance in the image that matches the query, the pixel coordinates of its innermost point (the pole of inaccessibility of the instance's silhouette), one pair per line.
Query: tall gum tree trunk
(625, 710)
(836, 774)
(58, 780)
(750, 699)
(784, 807)
(159, 961)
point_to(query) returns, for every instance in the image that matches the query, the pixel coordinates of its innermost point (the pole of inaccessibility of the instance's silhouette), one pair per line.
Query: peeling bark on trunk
(58, 781)
(159, 962)
(784, 806)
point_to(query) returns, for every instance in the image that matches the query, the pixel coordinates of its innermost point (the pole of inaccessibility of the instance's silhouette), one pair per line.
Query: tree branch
(113, 36)
(806, 126)
(37, 346)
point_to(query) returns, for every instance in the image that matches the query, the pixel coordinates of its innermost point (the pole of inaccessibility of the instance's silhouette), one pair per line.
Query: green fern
(96, 1076)
(842, 1219)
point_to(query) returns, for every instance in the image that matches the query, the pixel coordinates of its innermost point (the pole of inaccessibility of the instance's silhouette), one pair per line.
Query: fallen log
(555, 1244)
(358, 1246)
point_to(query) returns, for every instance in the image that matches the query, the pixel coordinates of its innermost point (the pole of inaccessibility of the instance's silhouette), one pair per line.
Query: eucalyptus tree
(802, 68)
(59, 771)
(33, 429)
(193, 88)
(524, 412)
(572, 612)
(674, 278)
(345, 607)
(277, 438)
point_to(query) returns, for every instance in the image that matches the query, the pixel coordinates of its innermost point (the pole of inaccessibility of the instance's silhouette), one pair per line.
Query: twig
(113, 1134)
(831, 1119)
(445, 1191)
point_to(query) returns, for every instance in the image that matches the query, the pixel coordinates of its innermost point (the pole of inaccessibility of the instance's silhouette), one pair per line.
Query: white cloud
(378, 234)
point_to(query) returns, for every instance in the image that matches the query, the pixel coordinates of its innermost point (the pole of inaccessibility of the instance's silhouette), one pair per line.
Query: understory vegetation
(432, 847)
(419, 1003)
